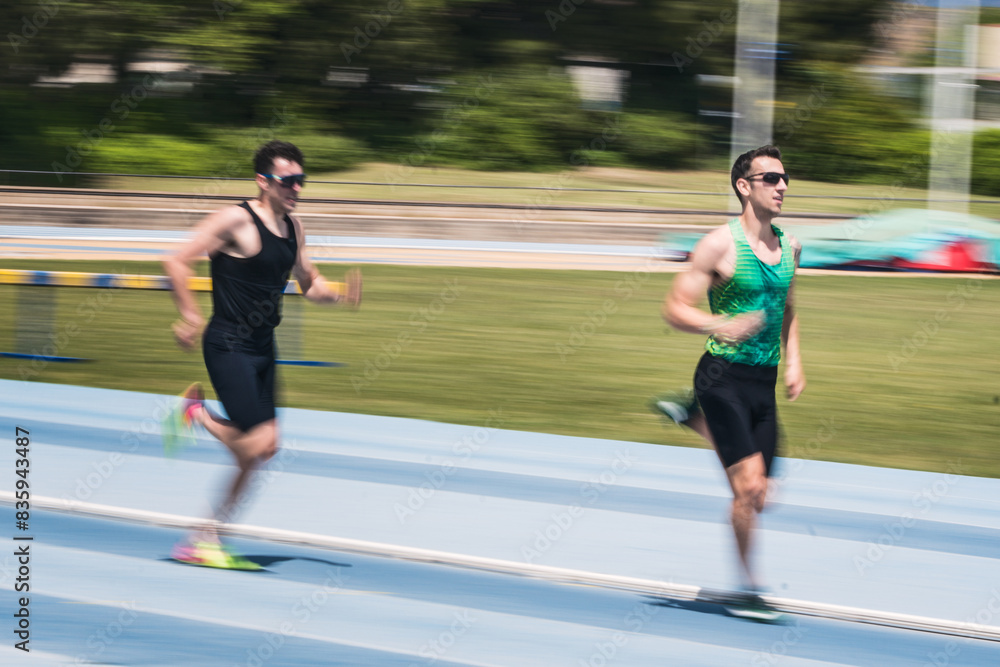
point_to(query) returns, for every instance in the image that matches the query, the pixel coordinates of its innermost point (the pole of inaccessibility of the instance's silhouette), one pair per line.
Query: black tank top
(246, 292)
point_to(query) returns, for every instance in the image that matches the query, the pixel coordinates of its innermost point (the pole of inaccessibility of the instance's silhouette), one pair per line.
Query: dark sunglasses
(293, 180)
(771, 177)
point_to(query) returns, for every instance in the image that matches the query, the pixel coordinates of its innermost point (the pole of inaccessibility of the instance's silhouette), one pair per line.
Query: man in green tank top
(746, 267)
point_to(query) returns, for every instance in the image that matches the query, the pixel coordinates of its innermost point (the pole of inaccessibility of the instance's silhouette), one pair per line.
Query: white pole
(953, 99)
(753, 88)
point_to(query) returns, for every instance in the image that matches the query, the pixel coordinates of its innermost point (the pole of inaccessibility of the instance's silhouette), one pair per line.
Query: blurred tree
(408, 62)
(38, 38)
(847, 131)
(825, 32)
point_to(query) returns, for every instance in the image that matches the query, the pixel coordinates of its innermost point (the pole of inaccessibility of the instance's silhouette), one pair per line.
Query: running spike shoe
(676, 407)
(178, 426)
(211, 554)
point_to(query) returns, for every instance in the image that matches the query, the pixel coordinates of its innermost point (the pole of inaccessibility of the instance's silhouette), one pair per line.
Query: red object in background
(961, 255)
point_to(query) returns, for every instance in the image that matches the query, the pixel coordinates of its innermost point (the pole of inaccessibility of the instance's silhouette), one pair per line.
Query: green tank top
(754, 286)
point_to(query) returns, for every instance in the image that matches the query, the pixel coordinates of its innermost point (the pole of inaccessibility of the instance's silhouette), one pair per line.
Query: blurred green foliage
(843, 130)
(986, 162)
(403, 81)
(528, 120)
(659, 140)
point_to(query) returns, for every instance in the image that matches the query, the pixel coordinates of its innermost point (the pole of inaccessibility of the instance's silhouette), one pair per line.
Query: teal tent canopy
(901, 239)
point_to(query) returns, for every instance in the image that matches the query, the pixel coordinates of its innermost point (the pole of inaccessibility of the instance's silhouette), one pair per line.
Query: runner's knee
(751, 492)
(258, 445)
(269, 450)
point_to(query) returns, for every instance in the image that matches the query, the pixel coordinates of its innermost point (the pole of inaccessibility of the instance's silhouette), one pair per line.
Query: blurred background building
(185, 87)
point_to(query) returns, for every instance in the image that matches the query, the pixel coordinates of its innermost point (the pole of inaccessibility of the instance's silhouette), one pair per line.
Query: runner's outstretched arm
(315, 287)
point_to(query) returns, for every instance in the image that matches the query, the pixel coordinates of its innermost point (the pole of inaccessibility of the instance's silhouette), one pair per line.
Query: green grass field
(903, 371)
(804, 196)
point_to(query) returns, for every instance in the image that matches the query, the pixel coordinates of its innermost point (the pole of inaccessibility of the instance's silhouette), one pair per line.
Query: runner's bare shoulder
(712, 248)
(219, 229)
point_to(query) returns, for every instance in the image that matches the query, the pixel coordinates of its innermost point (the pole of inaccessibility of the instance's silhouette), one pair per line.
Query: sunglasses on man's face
(771, 177)
(288, 181)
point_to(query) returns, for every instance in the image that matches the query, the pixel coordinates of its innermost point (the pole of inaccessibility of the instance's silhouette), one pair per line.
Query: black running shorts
(739, 406)
(242, 372)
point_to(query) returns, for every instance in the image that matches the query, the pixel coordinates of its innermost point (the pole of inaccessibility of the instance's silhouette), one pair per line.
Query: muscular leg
(699, 425)
(250, 449)
(749, 483)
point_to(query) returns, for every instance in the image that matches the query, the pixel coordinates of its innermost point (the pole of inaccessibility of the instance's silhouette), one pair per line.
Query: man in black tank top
(253, 249)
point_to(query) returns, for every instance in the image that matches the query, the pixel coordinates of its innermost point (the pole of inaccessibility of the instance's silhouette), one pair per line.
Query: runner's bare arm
(212, 233)
(795, 379)
(314, 286)
(681, 309)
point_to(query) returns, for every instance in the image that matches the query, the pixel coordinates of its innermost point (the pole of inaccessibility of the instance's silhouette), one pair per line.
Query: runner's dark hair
(263, 160)
(741, 168)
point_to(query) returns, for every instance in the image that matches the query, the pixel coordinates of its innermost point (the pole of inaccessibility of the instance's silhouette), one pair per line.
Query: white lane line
(326, 241)
(548, 573)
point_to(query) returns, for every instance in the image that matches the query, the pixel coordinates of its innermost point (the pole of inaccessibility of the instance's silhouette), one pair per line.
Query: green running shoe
(753, 607)
(677, 407)
(177, 428)
(211, 554)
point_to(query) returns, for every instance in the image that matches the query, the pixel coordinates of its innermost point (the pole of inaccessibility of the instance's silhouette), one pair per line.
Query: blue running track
(403, 542)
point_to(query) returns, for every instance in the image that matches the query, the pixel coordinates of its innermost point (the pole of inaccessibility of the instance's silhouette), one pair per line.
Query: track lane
(107, 594)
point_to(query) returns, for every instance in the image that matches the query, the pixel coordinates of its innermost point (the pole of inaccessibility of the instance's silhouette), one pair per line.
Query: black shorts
(740, 408)
(242, 371)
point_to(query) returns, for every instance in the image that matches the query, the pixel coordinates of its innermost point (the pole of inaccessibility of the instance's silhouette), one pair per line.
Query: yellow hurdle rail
(112, 280)
(124, 281)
